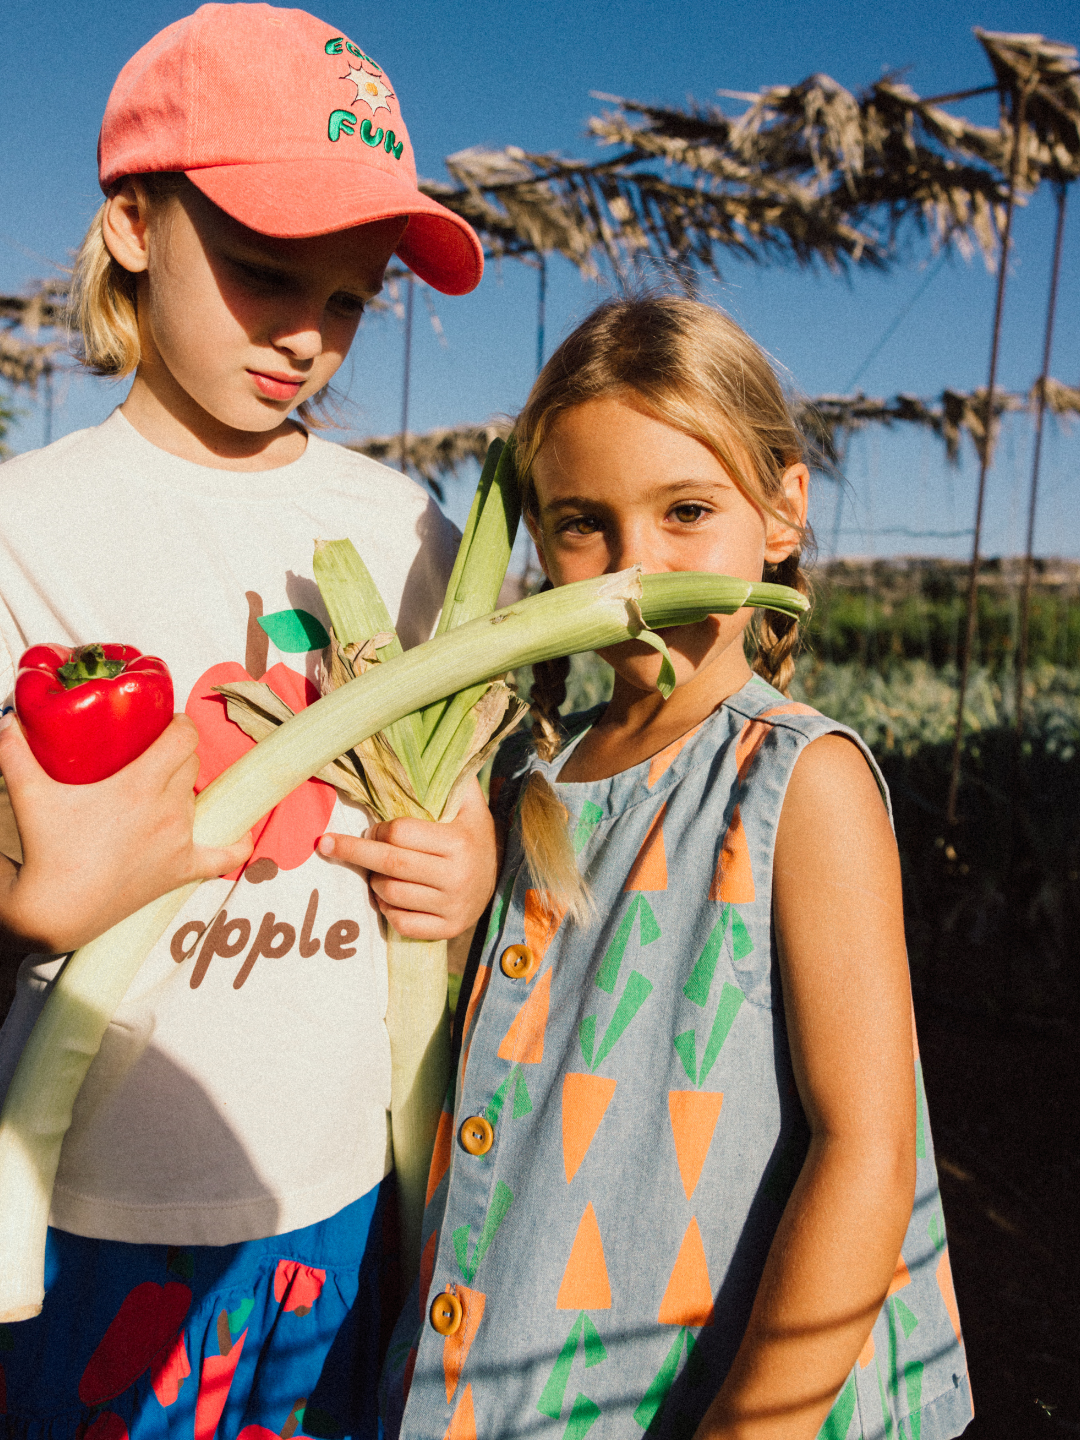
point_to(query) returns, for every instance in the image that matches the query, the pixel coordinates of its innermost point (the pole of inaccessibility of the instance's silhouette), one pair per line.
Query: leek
(585, 616)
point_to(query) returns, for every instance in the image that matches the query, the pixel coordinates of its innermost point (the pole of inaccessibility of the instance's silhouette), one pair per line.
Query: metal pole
(541, 312)
(1019, 105)
(405, 379)
(1025, 591)
(47, 418)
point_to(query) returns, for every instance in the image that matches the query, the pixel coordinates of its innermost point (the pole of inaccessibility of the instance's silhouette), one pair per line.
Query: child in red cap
(214, 1264)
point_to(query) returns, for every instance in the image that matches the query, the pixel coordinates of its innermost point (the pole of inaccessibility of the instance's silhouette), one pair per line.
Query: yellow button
(477, 1135)
(446, 1314)
(518, 962)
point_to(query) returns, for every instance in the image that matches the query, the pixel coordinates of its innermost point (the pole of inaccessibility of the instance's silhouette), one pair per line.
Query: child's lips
(276, 387)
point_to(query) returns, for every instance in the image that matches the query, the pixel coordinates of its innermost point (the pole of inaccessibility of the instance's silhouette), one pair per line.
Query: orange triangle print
(585, 1099)
(542, 918)
(585, 1284)
(456, 1347)
(733, 882)
(866, 1354)
(688, 1299)
(663, 760)
(463, 1425)
(754, 733)
(440, 1156)
(694, 1114)
(750, 740)
(901, 1277)
(649, 870)
(523, 1043)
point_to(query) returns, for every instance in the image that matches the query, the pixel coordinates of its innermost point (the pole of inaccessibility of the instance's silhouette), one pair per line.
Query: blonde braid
(775, 637)
(548, 694)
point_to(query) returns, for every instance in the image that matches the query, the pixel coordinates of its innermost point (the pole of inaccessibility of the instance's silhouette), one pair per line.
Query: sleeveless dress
(627, 1132)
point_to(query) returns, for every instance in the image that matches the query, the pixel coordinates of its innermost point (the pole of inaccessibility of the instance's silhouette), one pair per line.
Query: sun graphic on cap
(370, 90)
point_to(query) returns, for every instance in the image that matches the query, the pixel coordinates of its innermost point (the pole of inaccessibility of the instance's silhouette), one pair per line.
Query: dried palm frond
(435, 454)
(823, 419)
(869, 161)
(1060, 399)
(23, 358)
(24, 363)
(521, 203)
(1046, 73)
(46, 307)
(949, 417)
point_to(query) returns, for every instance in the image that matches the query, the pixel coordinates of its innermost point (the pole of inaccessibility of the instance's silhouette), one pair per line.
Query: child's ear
(780, 538)
(124, 226)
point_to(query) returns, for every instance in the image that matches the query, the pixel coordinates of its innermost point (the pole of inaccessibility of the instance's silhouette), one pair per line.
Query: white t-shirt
(242, 1088)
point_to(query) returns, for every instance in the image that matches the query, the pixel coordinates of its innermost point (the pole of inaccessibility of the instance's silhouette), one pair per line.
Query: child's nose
(628, 547)
(299, 331)
(303, 342)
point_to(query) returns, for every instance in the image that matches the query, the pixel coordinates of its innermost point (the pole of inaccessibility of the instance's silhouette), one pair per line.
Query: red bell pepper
(88, 712)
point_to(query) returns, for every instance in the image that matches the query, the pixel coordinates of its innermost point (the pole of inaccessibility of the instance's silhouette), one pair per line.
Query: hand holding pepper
(94, 853)
(89, 711)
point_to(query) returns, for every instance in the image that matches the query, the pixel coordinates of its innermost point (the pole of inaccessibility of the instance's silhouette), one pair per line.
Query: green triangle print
(731, 999)
(907, 1320)
(649, 930)
(838, 1421)
(648, 1411)
(584, 1414)
(498, 910)
(522, 1099)
(741, 944)
(590, 817)
(501, 1201)
(635, 992)
(554, 1392)
(498, 1100)
(913, 1373)
(595, 1354)
(551, 1398)
(730, 1003)
(686, 1049)
(701, 977)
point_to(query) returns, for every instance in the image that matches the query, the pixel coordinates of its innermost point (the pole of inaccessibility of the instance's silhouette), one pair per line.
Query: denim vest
(627, 1131)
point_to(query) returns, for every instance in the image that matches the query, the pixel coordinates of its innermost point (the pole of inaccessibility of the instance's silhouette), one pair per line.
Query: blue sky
(494, 73)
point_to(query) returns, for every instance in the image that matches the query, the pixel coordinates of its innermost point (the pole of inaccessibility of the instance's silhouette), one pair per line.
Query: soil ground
(1004, 1109)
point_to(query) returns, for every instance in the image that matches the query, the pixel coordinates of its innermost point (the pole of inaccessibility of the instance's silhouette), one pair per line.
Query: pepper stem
(88, 663)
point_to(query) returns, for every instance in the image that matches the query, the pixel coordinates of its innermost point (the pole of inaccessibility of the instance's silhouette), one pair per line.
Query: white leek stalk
(37, 1111)
(419, 767)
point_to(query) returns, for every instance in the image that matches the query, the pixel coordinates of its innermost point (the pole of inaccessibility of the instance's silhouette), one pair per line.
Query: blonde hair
(691, 367)
(104, 300)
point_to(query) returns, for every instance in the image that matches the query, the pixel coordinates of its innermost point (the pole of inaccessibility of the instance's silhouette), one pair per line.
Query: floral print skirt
(268, 1338)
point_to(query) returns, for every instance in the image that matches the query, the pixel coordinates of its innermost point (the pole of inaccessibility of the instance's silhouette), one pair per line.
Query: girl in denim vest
(686, 1187)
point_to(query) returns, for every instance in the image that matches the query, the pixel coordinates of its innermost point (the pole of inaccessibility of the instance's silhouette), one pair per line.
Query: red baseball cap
(285, 124)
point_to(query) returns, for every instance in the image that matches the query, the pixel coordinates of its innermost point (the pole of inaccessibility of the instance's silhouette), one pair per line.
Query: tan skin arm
(96, 853)
(838, 915)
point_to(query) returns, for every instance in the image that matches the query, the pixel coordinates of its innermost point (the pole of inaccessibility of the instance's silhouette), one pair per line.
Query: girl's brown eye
(687, 514)
(580, 525)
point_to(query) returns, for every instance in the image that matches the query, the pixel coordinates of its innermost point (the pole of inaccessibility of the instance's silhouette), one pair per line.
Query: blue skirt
(267, 1338)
